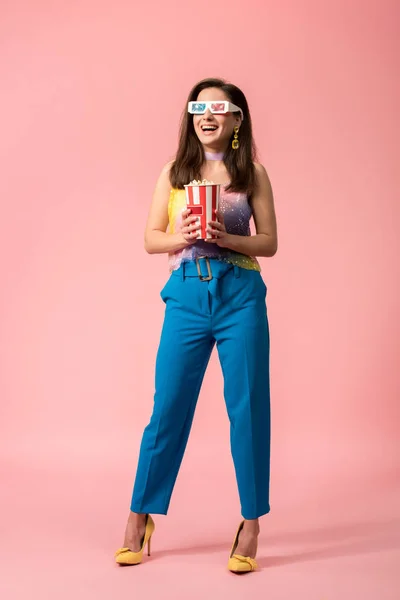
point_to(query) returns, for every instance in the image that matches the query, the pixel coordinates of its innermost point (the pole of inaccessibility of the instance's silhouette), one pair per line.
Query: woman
(215, 294)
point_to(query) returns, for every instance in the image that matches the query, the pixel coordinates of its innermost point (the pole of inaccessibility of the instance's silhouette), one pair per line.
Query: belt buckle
(201, 277)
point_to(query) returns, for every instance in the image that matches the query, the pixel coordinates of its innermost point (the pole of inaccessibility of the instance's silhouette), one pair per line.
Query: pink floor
(62, 521)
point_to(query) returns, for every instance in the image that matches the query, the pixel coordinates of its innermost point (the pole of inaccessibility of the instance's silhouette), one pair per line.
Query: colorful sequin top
(237, 214)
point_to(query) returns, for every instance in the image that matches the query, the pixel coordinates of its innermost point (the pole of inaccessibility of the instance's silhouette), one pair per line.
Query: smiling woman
(217, 115)
(215, 295)
(212, 103)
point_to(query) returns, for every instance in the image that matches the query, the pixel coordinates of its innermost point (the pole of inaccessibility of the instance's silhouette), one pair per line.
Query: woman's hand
(189, 229)
(218, 228)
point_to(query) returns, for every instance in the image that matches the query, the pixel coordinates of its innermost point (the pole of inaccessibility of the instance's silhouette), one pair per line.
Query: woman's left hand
(218, 228)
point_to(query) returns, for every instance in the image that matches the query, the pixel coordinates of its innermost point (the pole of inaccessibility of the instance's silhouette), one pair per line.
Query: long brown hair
(190, 155)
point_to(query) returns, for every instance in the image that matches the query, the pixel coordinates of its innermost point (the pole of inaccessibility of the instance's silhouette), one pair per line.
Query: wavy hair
(190, 154)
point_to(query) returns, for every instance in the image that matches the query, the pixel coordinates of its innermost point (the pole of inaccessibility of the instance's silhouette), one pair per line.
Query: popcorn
(202, 197)
(203, 182)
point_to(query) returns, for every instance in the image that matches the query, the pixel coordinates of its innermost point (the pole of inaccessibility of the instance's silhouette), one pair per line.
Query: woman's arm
(156, 240)
(265, 242)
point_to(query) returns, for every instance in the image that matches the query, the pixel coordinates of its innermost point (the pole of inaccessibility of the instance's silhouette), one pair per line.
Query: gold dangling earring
(235, 141)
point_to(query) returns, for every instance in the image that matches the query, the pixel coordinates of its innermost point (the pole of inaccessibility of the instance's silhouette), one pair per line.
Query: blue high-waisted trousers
(229, 310)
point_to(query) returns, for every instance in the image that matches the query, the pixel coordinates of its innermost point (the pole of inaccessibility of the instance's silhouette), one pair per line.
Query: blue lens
(198, 107)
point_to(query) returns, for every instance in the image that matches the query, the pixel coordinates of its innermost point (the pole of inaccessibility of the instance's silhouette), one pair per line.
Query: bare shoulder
(263, 190)
(163, 184)
(167, 167)
(259, 167)
(263, 180)
(165, 171)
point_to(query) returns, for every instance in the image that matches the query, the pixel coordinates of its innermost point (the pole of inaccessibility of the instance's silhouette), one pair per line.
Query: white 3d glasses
(216, 107)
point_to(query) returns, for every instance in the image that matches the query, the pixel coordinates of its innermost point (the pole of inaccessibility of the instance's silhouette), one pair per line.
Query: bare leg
(247, 543)
(134, 532)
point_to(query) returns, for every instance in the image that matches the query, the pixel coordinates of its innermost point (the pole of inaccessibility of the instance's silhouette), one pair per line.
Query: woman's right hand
(189, 228)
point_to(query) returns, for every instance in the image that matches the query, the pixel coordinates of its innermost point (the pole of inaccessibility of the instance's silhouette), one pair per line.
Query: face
(216, 139)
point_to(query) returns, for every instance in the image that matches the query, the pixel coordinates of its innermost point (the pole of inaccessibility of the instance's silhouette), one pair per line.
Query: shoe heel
(148, 546)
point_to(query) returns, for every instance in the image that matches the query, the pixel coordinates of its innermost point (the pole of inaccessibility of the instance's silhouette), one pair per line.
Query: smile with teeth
(209, 128)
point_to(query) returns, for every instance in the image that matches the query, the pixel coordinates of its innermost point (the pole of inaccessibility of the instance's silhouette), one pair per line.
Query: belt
(208, 270)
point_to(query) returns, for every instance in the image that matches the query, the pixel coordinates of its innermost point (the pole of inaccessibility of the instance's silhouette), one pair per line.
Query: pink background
(91, 95)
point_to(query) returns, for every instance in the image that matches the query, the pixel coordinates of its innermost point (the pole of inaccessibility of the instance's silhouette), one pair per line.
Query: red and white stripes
(203, 200)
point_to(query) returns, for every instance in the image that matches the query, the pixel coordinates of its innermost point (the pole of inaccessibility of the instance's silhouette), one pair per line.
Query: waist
(205, 268)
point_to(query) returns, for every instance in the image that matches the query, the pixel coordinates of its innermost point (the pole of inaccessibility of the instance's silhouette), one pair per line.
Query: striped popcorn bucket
(203, 201)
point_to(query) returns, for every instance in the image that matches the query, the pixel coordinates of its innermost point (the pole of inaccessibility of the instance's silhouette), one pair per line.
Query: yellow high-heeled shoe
(125, 556)
(238, 563)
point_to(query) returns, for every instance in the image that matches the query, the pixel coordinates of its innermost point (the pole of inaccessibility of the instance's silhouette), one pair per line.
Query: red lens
(218, 106)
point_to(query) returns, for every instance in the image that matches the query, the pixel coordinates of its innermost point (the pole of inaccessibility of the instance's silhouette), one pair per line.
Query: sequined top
(237, 214)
